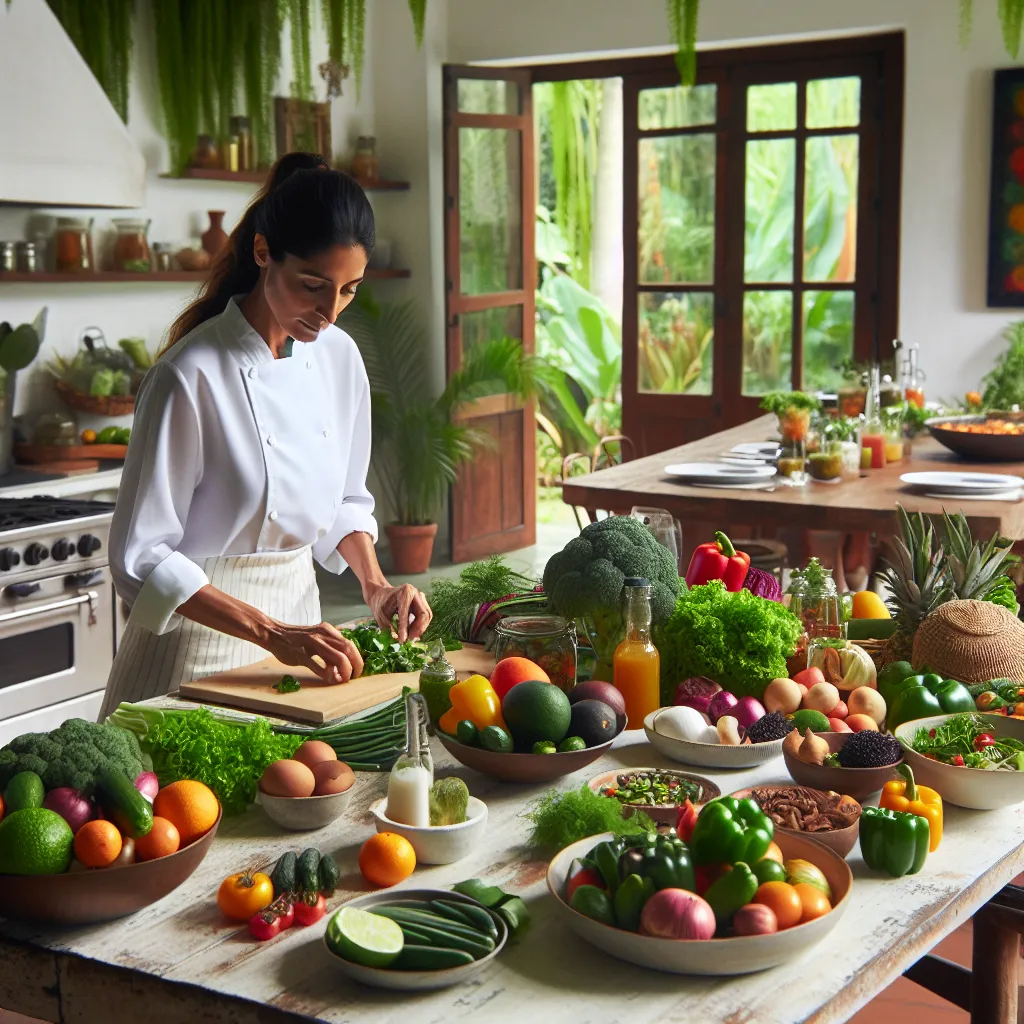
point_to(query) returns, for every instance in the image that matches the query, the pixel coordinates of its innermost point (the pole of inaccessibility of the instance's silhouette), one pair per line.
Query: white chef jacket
(234, 452)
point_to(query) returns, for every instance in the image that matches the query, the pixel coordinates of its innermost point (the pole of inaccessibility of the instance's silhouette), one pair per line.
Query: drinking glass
(792, 465)
(664, 528)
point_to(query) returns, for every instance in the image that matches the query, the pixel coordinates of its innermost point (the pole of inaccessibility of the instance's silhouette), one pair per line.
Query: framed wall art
(1006, 200)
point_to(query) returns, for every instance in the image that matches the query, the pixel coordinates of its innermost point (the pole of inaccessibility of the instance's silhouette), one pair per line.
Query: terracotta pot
(411, 547)
(215, 237)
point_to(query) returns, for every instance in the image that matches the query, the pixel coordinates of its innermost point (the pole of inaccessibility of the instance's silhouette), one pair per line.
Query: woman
(249, 456)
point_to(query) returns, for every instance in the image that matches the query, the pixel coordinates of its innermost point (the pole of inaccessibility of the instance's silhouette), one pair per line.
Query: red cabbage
(762, 584)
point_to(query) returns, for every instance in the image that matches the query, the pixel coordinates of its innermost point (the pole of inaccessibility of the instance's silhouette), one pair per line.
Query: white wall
(946, 121)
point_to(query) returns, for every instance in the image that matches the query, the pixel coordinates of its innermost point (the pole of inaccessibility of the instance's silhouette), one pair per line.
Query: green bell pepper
(953, 697)
(594, 903)
(730, 830)
(730, 892)
(629, 901)
(605, 858)
(891, 679)
(893, 841)
(664, 859)
(913, 702)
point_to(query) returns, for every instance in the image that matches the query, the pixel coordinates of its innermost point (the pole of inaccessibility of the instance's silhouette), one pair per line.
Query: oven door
(56, 640)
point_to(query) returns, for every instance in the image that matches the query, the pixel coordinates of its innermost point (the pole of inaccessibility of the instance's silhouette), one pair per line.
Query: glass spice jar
(7, 259)
(131, 246)
(365, 163)
(73, 245)
(25, 257)
(547, 640)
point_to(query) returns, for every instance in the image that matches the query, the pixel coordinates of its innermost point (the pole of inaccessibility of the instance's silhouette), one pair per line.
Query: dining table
(867, 503)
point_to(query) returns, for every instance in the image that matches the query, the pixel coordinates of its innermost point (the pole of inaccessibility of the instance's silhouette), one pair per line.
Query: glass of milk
(413, 773)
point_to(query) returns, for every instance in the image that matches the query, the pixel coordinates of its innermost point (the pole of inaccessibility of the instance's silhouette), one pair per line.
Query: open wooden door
(490, 279)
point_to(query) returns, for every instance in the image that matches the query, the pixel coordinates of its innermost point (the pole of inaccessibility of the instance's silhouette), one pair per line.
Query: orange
(88, 437)
(813, 901)
(387, 859)
(510, 671)
(189, 806)
(774, 853)
(97, 844)
(783, 899)
(161, 840)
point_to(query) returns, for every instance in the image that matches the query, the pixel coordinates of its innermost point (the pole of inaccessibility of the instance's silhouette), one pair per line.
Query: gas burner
(16, 513)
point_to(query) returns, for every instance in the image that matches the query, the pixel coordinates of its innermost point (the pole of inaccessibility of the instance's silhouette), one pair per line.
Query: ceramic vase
(215, 237)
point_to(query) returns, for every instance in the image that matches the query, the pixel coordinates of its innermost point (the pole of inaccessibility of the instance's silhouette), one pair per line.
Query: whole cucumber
(477, 916)
(329, 873)
(130, 811)
(284, 875)
(307, 870)
(419, 918)
(430, 958)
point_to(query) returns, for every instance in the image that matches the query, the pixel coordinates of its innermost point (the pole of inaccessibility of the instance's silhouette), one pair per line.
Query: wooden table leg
(994, 961)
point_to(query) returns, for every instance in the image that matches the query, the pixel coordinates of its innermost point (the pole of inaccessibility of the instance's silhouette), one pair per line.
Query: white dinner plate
(757, 449)
(962, 483)
(720, 472)
(1016, 495)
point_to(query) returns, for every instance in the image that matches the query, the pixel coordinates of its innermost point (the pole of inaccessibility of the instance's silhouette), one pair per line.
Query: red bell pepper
(686, 819)
(718, 560)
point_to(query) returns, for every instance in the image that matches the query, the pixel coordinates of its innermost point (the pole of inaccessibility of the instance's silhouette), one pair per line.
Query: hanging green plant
(419, 17)
(682, 23)
(262, 27)
(1011, 18)
(345, 25)
(102, 33)
(298, 19)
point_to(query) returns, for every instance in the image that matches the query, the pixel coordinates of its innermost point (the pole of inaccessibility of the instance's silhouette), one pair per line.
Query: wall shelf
(159, 277)
(258, 177)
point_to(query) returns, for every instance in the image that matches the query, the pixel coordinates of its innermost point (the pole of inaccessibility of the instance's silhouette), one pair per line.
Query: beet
(696, 686)
(595, 689)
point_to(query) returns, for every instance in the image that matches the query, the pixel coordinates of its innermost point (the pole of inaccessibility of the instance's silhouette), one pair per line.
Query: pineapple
(975, 570)
(918, 580)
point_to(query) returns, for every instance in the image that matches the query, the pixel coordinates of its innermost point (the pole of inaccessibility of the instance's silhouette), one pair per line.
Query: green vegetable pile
(381, 652)
(739, 640)
(73, 755)
(288, 684)
(561, 819)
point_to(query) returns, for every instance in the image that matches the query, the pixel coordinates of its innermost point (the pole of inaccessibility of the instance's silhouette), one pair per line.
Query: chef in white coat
(249, 456)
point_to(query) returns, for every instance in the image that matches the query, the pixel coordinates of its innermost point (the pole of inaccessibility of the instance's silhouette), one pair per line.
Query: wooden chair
(568, 470)
(605, 455)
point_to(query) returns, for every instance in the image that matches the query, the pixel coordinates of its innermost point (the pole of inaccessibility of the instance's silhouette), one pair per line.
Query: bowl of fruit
(100, 849)
(529, 731)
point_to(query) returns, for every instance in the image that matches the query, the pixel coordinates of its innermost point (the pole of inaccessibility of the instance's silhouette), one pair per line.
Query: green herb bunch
(779, 402)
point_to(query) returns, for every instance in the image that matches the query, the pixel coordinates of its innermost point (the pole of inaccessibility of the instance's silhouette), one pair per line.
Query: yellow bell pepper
(905, 795)
(474, 698)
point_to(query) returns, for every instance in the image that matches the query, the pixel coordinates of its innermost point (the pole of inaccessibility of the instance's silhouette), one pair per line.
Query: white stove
(59, 616)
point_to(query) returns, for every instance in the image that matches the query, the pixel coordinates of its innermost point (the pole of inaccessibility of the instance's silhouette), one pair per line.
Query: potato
(782, 695)
(822, 697)
(867, 701)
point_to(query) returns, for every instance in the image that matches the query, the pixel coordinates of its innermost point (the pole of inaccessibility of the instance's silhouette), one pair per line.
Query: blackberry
(870, 749)
(773, 726)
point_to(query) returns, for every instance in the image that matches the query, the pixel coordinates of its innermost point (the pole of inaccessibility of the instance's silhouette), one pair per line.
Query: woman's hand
(386, 601)
(297, 645)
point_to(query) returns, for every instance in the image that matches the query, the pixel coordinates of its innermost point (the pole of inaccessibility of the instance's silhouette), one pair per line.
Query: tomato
(585, 876)
(264, 925)
(309, 913)
(285, 910)
(783, 899)
(813, 902)
(242, 895)
(775, 853)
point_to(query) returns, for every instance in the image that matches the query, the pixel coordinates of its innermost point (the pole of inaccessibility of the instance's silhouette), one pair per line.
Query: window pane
(771, 108)
(676, 341)
(488, 96)
(490, 218)
(768, 237)
(833, 102)
(485, 325)
(830, 208)
(767, 342)
(677, 209)
(828, 338)
(678, 107)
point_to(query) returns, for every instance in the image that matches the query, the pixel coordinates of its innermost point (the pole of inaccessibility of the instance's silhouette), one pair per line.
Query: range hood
(61, 141)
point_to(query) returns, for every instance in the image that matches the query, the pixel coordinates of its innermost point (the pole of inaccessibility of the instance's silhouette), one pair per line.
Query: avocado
(535, 711)
(593, 721)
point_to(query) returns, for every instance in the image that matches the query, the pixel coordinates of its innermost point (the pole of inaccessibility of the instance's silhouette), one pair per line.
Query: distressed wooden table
(867, 504)
(180, 959)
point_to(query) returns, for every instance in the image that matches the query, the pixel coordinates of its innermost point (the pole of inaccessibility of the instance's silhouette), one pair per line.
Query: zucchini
(425, 919)
(414, 937)
(284, 874)
(479, 946)
(477, 916)
(449, 914)
(429, 958)
(130, 811)
(307, 871)
(329, 873)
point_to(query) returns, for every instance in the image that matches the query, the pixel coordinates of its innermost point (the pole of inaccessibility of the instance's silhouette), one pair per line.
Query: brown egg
(332, 777)
(287, 778)
(314, 752)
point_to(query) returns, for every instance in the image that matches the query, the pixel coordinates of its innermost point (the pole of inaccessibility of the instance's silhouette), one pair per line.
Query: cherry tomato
(285, 910)
(242, 895)
(307, 913)
(986, 739)
(264, 925)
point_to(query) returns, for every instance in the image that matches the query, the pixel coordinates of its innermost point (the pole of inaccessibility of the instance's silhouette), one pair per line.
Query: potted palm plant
(418, 443)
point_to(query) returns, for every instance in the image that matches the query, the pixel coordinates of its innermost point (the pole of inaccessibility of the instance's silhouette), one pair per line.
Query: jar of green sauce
(436, 678)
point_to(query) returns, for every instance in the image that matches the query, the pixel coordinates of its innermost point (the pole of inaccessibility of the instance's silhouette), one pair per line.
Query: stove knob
(9, 558)
(88, 545)
(61, 549)
(35, 553)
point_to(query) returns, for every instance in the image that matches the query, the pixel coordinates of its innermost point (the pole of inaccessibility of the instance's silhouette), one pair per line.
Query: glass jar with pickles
(547, 640)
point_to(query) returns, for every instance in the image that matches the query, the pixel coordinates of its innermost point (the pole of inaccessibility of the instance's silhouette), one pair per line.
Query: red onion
(747, 711)
(755, 919)
(700, 704)
(70, 805)
(148, 785)
(722, 703)
(677, 914)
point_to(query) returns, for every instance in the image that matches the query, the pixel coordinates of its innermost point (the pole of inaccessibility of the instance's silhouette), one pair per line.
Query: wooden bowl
(663, 813)
(89, 897)
(856, 782)
(838, 840)
(522, 767)
(741, 954)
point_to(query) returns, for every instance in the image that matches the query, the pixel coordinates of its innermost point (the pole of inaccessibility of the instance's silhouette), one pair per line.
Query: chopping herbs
(288, 684)
(967, 741)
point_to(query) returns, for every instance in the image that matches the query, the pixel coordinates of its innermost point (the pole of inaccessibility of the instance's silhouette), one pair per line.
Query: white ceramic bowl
(304, 813)
(711, 755)
(966, 787)
(437, 844)
(414, 981)
(739, 955)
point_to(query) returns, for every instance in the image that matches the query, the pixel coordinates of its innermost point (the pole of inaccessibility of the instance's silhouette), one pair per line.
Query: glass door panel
(676, 343)
(827, 336)
(830, 207)
(769, 213)
(767, 341)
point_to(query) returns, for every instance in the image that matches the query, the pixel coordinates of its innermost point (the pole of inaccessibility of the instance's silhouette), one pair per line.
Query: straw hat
(973, 641)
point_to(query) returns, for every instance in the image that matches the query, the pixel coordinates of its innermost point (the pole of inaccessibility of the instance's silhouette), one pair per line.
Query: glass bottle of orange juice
(636, 664)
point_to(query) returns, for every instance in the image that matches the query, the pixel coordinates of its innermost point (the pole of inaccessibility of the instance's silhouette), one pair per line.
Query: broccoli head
(72, 755)
(449, 799)
(585, 579)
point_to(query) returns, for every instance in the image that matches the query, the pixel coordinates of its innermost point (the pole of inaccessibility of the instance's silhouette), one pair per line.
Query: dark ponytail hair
(304, 208)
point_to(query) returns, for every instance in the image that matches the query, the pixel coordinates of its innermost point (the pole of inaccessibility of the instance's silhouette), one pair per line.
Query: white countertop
(84, 485)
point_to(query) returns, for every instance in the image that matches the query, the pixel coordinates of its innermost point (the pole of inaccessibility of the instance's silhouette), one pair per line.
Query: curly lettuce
(738, 639)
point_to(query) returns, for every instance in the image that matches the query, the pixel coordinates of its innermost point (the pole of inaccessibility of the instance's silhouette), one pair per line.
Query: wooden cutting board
(252, 688)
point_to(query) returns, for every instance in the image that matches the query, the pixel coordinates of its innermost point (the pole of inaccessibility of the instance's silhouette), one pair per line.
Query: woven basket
(972, 641)
(99, 405)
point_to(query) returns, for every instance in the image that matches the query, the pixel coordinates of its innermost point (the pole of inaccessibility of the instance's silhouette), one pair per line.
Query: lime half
(365, 938)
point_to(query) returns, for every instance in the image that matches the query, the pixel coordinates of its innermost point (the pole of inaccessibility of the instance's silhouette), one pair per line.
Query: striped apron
(280, 583)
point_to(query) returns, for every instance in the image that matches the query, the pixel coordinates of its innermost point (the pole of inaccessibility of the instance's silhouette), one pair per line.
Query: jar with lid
(55, 428)
(131, 246)
(547, 640)
(7, 257)
(26, 258)
(163, 256)
(365, 164)
(814, 599)
(73, 245)
(436, 679)
(241, 128)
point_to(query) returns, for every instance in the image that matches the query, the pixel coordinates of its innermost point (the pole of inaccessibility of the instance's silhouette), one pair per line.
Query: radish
(148, 785)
